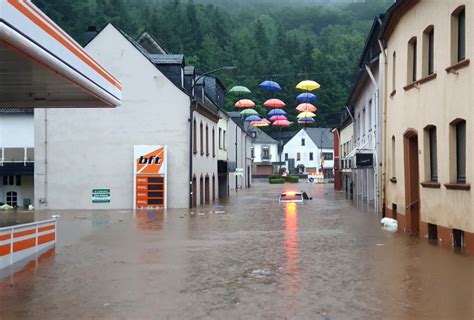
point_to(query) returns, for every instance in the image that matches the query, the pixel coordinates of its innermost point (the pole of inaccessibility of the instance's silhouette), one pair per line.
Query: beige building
(428, 150)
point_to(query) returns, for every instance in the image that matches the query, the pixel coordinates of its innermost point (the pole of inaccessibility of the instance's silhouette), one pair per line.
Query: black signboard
(364, 160)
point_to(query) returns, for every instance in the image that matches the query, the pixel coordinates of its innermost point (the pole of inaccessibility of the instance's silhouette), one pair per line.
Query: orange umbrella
(306, 107)
(274, 103)
(245, 103)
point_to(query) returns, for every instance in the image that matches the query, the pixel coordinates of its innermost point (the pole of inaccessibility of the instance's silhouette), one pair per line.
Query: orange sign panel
(150, 177)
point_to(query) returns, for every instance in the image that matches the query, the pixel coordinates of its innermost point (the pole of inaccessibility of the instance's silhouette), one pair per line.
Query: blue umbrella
(270, 86)
(306, 97)
(253, 118)
(277, 112)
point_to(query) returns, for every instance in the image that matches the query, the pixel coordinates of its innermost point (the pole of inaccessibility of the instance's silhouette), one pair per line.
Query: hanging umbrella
(274, 103)
(276, 118)
(239, 89)
(281, 123)
(306, 121)
(306, 97)
(245, 103)
(252, 118)
(249, 112)
(306, 107)
(308, 85)
(259, 124)
(270, 86)
(306, 115)
(277, 112)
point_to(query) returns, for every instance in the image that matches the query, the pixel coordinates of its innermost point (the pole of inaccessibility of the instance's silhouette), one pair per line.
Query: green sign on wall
(100, 195)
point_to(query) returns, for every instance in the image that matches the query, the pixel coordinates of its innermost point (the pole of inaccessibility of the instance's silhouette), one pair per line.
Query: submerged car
(291, 197)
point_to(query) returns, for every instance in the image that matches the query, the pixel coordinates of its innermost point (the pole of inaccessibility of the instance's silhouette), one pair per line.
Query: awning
(42, 66)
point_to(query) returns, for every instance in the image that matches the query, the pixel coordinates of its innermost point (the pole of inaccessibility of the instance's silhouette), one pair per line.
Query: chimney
(89, 34)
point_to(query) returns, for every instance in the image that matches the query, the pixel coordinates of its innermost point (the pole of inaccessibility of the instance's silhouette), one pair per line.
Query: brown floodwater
(253, 258)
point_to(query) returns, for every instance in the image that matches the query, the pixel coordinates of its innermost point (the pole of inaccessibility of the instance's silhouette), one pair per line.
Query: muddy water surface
(251, 259)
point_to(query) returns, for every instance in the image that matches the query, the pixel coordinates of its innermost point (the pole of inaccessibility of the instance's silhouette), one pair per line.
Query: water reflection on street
(251, 258)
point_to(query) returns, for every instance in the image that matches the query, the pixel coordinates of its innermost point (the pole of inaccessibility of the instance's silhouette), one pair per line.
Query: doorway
(207, 189)
(412, 183)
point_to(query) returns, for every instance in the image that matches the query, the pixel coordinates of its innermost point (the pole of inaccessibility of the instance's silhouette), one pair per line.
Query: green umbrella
(239, 89)
(249, 112)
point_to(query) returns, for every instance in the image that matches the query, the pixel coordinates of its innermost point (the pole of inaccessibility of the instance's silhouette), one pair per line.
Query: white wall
(222, 125)
(17, 130)
(93, 148)
(205, 163)
(258, 151)
(244, 160)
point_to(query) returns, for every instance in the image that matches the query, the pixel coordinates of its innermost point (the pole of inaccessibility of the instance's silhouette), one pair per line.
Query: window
(195, 137)
(458, 239)
(411, 60)
(12, 199)
(328, 156)
(252, 152)
(298, 156)
(394, 68)
(461, 152)
(303, 142)
(394, 160)
(431, 153)
(202, 139)
(224, 146)
(369, 114)
(12, 180)
(265, 153)
(428, 51)
(213, 143)
(207, 140)
(310, 156)
(458, 35)
(286, 156)
(362, 124)
(220, 138)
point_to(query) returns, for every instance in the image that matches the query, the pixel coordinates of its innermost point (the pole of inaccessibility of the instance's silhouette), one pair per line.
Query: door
(412, 183)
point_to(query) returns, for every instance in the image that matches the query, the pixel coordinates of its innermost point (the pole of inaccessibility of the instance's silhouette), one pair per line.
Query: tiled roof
(16, 110)
(167, 58)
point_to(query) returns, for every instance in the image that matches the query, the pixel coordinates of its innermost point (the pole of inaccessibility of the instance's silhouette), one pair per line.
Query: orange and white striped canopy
(42, 66)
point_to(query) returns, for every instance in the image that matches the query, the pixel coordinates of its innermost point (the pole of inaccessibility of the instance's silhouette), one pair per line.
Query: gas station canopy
(42, 66)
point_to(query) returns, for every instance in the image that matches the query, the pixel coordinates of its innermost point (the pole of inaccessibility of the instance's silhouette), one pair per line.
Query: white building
(366, 108)
(78, 151)
(264, 154)
(309, 151)
(16, 157)
(239, 151)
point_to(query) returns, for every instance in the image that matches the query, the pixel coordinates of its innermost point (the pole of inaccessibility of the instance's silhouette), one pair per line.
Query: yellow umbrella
(308, 85)
(259, 124)
(306, 115)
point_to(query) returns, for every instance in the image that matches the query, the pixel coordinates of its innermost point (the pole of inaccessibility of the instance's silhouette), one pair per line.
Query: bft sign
(150, 177)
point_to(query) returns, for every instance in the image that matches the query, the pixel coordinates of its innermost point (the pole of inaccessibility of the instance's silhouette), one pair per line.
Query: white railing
(22, 241)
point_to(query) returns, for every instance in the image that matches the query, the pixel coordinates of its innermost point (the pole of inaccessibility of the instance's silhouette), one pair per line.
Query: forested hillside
(286, 42)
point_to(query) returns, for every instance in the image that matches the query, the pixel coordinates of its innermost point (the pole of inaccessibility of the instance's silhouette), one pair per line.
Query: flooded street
(253, 258)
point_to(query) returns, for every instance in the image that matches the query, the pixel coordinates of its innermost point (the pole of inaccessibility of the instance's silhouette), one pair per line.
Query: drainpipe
(384, 128)
(377, 141)
(191, 151)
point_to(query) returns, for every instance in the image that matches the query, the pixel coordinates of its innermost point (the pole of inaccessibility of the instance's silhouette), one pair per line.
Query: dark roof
(392, 11)
(262, 137)
(370, 52)
(322, 137)
(16, 110)
(167, 58)
(284, 136)
(151, 44)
